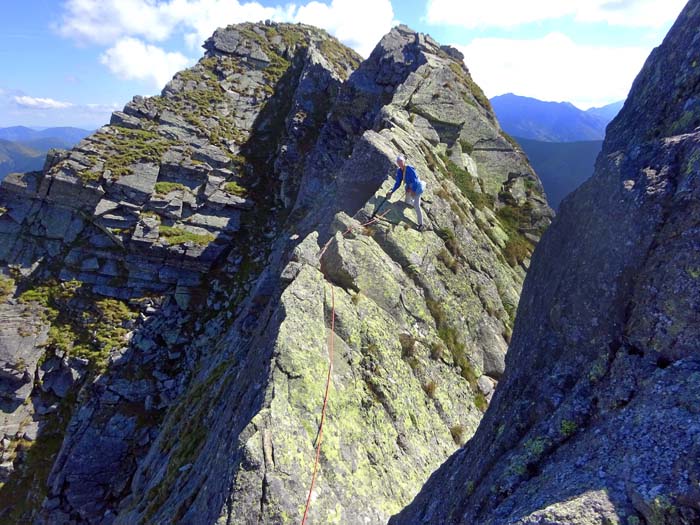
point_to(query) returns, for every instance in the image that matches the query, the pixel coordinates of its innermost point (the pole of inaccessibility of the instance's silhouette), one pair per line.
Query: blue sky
(73, 62)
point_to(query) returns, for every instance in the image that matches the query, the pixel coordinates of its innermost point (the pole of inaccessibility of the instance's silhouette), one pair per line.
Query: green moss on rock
(173, 236)
(337, 53)
(476, 91)
(24, 492)
(163, 188)
(91, 328)
(467, 185)
(512, 219)
(188, 430)
(567, 427)
(235, 189)
(125, 147)
(480, 402)
(7, 285)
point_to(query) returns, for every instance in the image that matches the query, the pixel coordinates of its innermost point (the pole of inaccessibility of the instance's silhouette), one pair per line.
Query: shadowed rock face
(199, 403)
(164, 190)
(596, 418)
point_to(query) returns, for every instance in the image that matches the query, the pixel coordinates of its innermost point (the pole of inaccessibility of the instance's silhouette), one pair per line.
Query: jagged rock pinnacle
(595, 419)
(172, 265)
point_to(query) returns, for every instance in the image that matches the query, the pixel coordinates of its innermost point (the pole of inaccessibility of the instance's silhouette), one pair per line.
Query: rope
(349, 229)
(325, 404)
(330, 365)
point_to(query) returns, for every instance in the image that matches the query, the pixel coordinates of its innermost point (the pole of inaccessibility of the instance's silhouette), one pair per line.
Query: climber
(414, 187)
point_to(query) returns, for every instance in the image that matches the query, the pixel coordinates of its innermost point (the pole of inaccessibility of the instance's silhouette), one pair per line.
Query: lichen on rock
(595, 418)
(195, 224)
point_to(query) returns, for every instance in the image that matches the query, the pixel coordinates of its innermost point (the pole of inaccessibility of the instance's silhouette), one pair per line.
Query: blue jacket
(413, 183)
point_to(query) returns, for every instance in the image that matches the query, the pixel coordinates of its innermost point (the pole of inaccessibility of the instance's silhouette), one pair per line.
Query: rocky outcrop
(203, 405)
(146, 207)
(162, 191)
(21, 332)
(420, 320)
(596, 418)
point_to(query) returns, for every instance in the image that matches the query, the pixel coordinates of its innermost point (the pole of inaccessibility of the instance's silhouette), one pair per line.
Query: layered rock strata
(208, 410)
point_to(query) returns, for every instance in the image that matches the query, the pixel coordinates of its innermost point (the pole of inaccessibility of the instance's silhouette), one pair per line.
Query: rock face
(162, 190)
(596, 418)
(196, 253)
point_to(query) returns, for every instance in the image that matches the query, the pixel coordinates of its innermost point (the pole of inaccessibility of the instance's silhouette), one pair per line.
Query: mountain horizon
(596, 418)
(235, 304)
(560, 140)
(535, 119)
(24, 149)
(561, 166)
(20, 133)
(182, 267)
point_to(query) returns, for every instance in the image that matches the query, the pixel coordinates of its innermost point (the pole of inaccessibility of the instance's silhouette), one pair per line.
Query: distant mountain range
(561, 166)
(24, 149)
(561, 141)
(551, 121)
(19, 157)
(24, 134)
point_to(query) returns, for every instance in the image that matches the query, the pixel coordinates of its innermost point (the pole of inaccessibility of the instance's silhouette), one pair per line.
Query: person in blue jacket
(414, 187)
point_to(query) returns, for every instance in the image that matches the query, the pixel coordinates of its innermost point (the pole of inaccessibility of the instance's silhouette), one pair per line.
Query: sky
(73, 62)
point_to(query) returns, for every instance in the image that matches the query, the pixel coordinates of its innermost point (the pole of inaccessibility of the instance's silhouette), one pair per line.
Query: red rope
(330, 368)
(349, 229)
(325, 404)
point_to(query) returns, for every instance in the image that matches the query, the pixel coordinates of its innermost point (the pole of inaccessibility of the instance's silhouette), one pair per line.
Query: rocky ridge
(596, 417)
(185, 238)
(145, 207)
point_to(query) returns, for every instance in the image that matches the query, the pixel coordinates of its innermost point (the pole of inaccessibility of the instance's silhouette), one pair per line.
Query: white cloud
(509, 13)
(347, 20)
(40, 103)
(494, 13)
(131, 58)
(632, 13)
(19, 108)
(201, 18)
(359, 23)
(106, 21)
(102, 107)
(554, 68)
